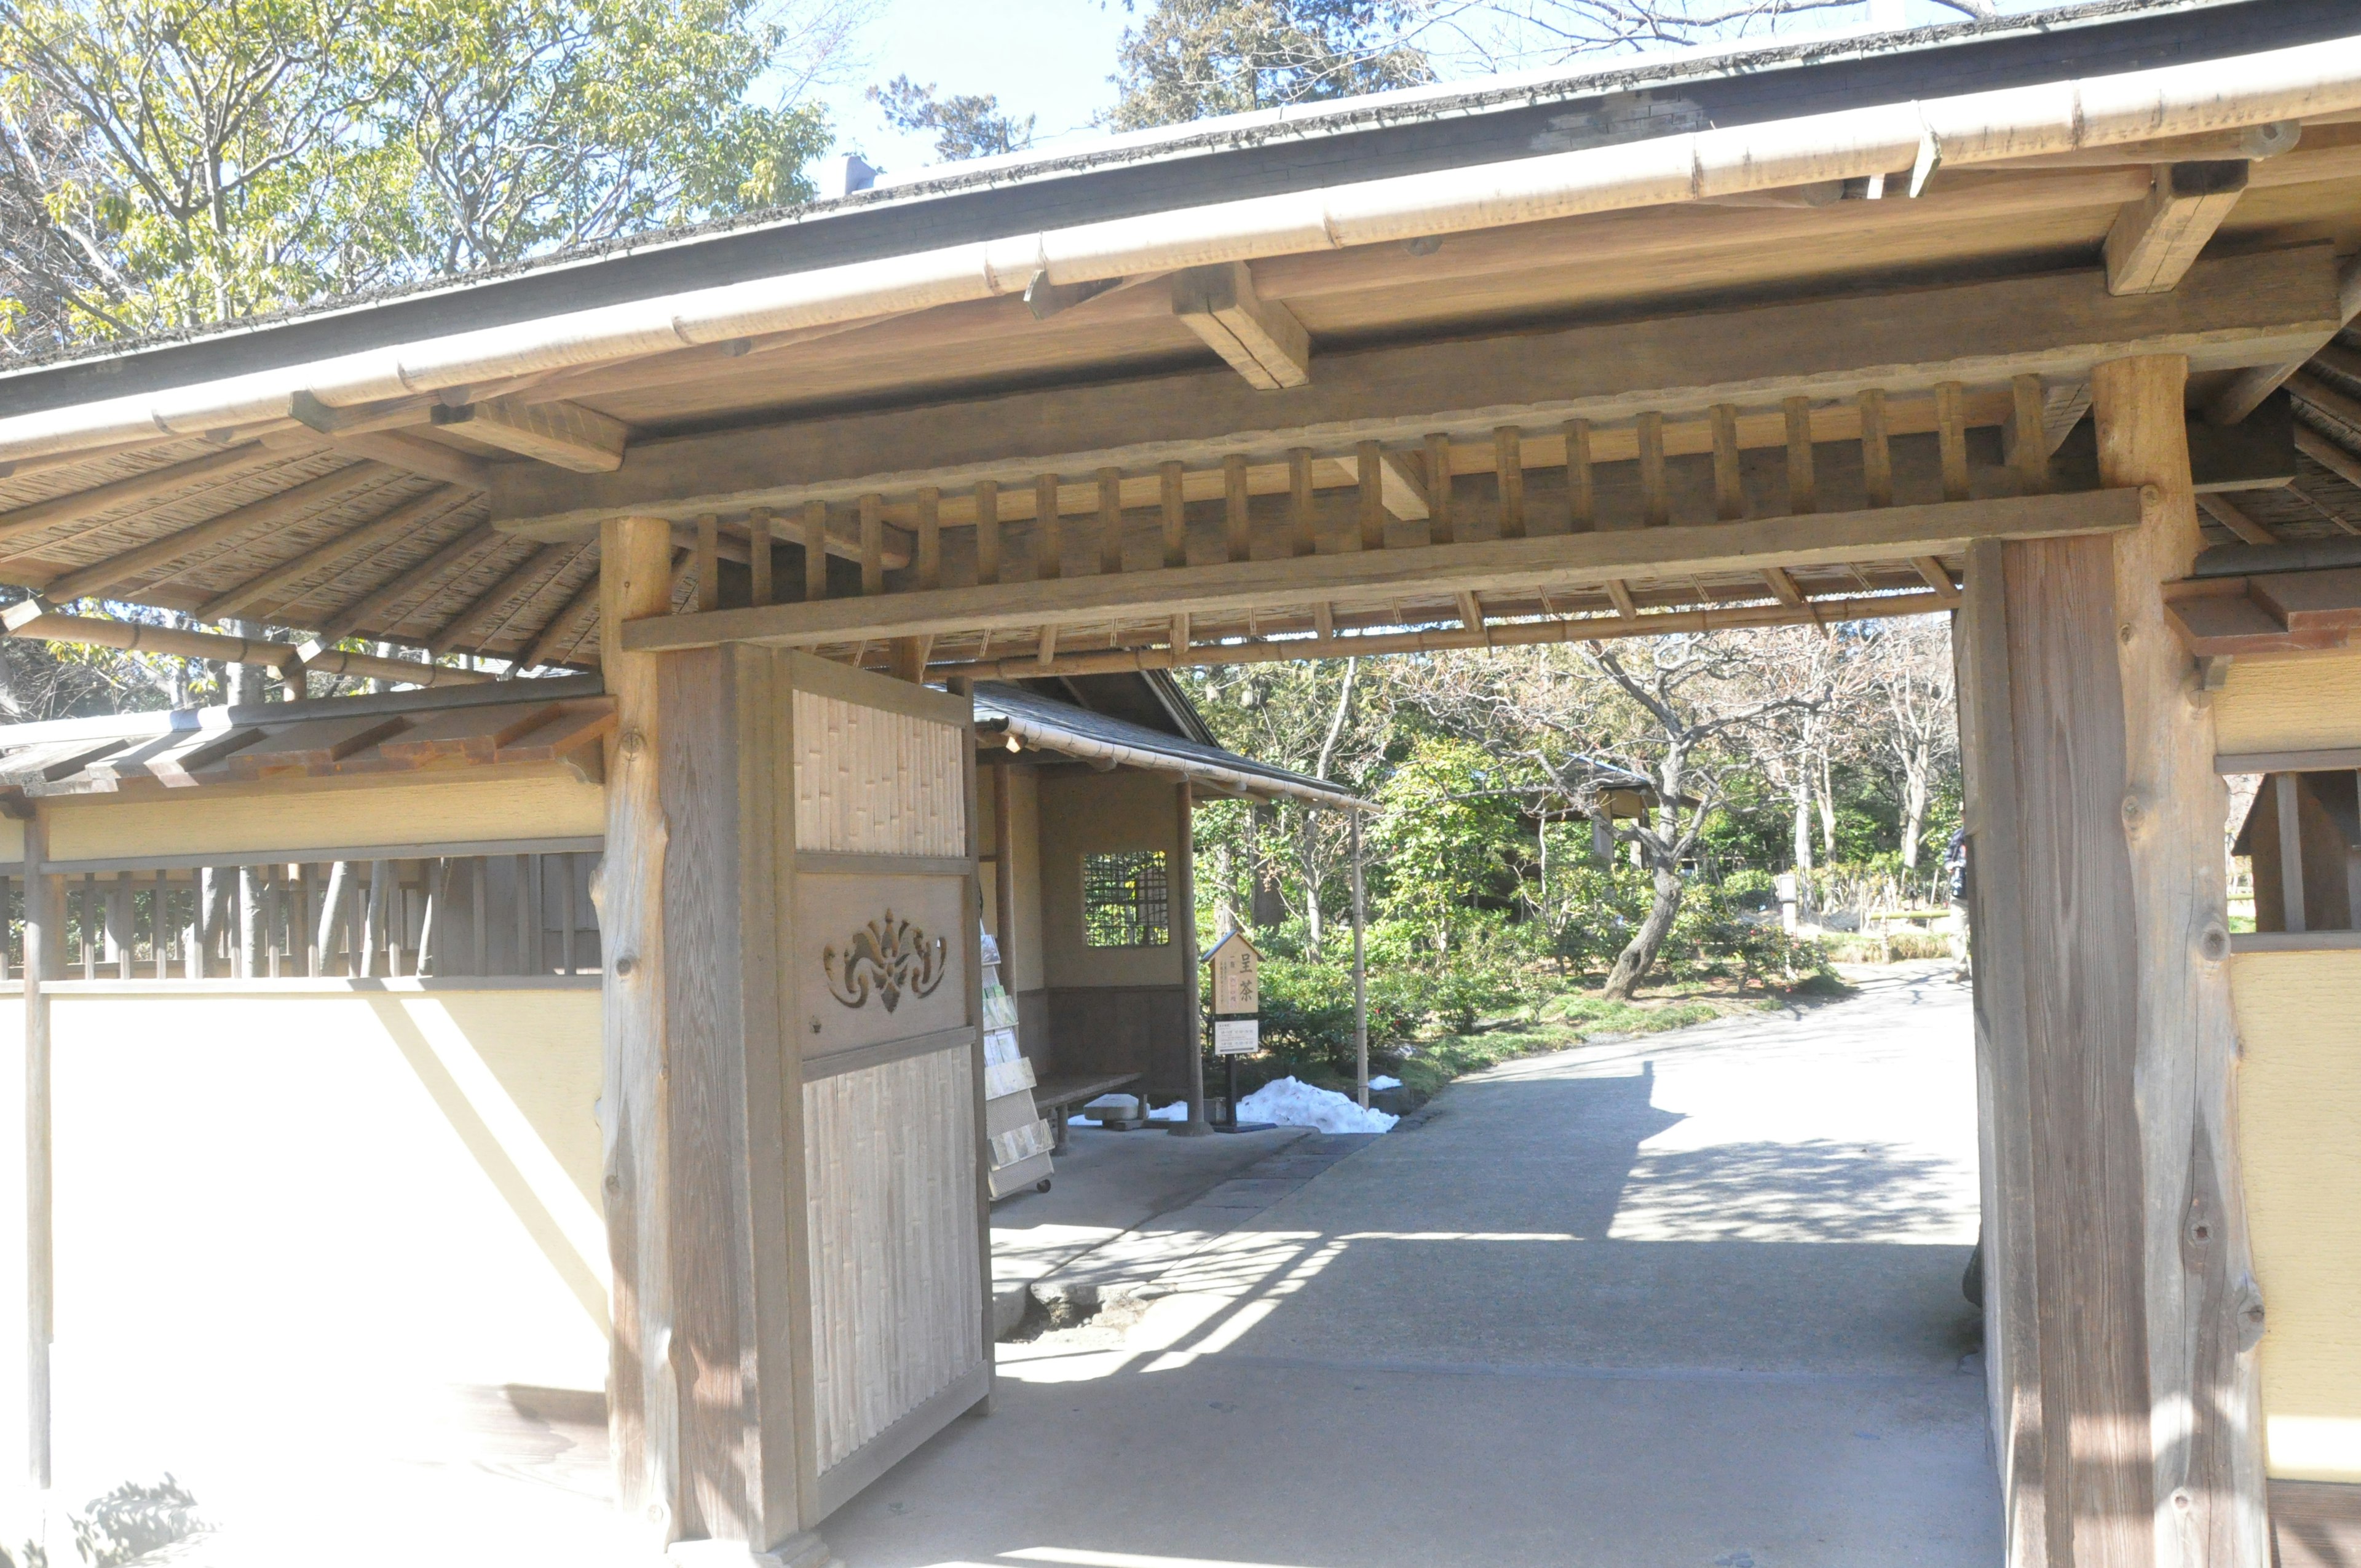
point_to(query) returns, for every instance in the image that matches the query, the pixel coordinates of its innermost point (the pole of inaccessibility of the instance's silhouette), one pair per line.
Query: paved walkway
(1688, 1299)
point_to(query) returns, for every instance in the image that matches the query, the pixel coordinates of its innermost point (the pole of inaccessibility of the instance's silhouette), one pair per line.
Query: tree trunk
(1803, 822)
(1914, 814)
(1828, 803)
(245, 684)
(1639, 955)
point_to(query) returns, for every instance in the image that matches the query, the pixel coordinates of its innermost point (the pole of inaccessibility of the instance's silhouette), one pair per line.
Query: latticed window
(1124, 902)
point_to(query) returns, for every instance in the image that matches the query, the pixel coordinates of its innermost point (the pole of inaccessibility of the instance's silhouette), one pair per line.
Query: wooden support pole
(1369, 458)
(1729, 482)
(930, 537)
(1181, 912)
(758, 555)
(2203, 1310)
(1582, 495)
(644, 1397)
(1110, 521)
(1438, 489)
(1360, 976)
(1951, 438)
(29, 1265)
(2121, 1312)
(1876, 450)
(1237, 535)
(708, 566)
(815, 552)
(987, 531)
(1803, 488)
(1655, 503)
(873, 543)
(1302, 524)
(1509, 469)
(1049, 537)
(1173, 513)
(2029, 440)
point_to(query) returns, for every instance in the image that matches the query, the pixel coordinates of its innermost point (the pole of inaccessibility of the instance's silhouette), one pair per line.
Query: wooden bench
(1056, 1098)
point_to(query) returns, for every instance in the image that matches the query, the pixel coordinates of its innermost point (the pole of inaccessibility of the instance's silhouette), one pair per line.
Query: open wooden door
(880, 916)
(793, 1101)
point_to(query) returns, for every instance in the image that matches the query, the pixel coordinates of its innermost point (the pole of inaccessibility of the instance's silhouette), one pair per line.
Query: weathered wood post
(1182, 912)
(699, 1146)
(2114, 1281)
(644, 1417)
(2204, 1311)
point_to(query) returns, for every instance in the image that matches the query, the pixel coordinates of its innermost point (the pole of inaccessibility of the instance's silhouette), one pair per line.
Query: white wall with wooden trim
(2299, 1106)
(319, 1235)
(2289, 702)
(1088, 813)
(327, 819)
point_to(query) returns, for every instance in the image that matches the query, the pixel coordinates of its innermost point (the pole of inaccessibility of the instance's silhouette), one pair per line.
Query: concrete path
(1688, 1300)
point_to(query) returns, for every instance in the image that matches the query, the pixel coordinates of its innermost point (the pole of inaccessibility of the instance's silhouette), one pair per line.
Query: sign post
(1237, 1018)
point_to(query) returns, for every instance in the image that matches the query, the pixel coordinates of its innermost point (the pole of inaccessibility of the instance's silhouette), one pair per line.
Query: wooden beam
(2245, 390)
(1404, 486)
(360, 419)
(2226, 312)
(2157, 239)
(33, 618)
(2225, 513)
(1876, 449)
(2328, 455)
(1783, 586)
(1435, 640)
(566, 435)
(1894, 533)
(1260, 339)
(37, 516)
(393, 524)
(115, 570)
(429, 459)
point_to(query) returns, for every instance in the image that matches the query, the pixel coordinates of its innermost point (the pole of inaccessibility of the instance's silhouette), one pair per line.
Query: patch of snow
(1176, 1112)
(1382, 1082)
(1290, 1103)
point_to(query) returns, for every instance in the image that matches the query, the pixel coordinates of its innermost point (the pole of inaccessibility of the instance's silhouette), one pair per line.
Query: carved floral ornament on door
(887, 957)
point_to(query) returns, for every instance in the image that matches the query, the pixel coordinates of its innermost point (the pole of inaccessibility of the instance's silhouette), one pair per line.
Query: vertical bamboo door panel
(883, 978)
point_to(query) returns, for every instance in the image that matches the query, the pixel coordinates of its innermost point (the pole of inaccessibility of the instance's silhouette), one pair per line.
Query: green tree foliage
(1190, 59)
(167, 164)
(1447, 828)
(966, 125)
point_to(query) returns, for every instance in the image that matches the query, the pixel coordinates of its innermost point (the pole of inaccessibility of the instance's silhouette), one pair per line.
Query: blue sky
(1048, 58)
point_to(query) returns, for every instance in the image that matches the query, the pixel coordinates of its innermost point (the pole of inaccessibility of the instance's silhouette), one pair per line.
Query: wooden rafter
(545, 561)
(2157, 239)
(350, 617)
(262, 587)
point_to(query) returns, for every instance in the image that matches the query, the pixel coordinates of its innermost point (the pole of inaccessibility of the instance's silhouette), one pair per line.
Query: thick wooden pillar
(698, 1144)
(2203, 1311)
(642, 1400)
(2114, 1281)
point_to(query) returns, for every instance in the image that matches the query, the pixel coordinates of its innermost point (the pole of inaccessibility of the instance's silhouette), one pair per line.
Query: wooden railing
(479, 915)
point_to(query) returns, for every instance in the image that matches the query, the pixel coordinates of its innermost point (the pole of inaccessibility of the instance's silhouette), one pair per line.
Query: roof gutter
(1977, 127)
(1114, 753)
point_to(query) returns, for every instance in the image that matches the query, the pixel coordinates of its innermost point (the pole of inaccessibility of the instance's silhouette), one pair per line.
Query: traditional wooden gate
(882, 963)
(795, 1202)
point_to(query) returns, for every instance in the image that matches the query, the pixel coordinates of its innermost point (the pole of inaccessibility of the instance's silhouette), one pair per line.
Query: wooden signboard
(1238, 984)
